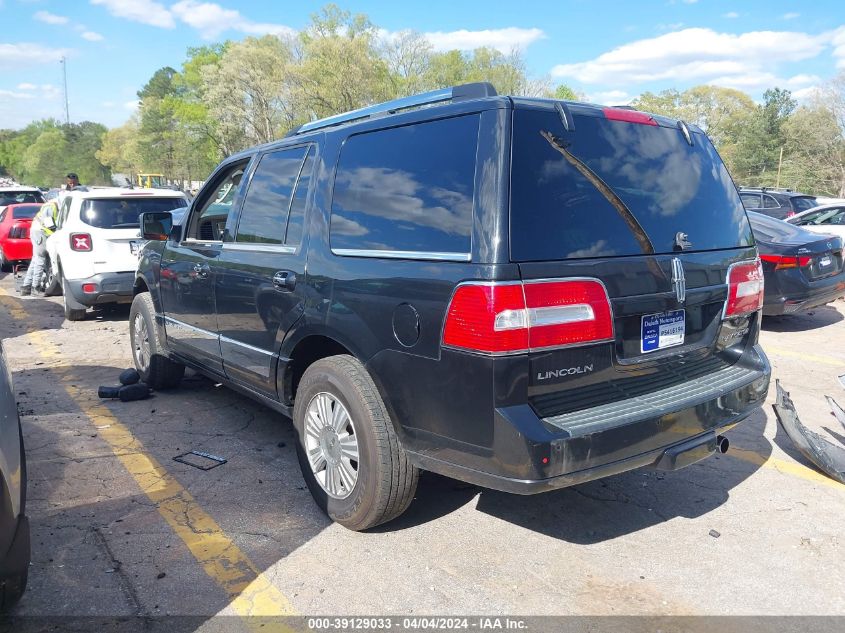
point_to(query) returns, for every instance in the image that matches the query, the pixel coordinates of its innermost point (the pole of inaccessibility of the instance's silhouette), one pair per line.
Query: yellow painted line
(815, 358)
(787, 467)
(251, 593)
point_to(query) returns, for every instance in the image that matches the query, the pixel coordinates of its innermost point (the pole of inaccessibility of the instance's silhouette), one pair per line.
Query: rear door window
(770, 203)
(750, 200)
(122, 213)
(802, 203)
(612, 188)
(407, 190)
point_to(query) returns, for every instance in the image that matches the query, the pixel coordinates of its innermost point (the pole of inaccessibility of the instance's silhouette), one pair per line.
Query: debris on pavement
(715, 533)
(828, 457)
(838, 413)
(129, 377)
(126, 393)
(200, 459)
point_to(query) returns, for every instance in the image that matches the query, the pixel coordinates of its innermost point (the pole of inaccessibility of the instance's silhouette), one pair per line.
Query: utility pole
(63, 62)
(780, 162)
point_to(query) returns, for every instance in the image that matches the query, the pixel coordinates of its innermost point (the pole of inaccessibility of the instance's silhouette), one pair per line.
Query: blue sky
(611, 51)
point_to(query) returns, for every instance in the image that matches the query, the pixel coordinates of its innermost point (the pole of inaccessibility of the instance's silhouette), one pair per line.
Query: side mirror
(156, 226)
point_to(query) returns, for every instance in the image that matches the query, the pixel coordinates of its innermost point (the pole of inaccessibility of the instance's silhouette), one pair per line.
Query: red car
(15, 247)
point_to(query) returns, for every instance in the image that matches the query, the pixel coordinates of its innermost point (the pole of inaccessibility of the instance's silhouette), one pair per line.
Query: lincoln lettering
(563, 373)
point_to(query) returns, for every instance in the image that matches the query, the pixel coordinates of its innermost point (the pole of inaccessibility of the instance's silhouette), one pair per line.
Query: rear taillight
(745, 288)
(786, 261)
(18, 232)
(514, 317)
(80, 242)
(629, 116)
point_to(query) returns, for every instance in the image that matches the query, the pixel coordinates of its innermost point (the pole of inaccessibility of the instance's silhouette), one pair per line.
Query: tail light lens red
(745, 288)
(80, 242)
(787, 261)
(19, 232)
(514, 317)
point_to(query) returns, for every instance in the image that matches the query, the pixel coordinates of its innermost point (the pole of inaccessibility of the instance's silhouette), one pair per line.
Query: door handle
(202, 270)
(284, 280)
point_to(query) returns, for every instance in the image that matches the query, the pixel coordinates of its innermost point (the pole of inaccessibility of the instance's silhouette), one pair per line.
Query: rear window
(27, 211)
(612, 188)
(17, 197)
(122, 213)
(802, 203)
(769, 229)
(407, 189)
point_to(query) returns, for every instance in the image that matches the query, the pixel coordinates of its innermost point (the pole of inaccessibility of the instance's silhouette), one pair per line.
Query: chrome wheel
(331, 445)
(140, 343)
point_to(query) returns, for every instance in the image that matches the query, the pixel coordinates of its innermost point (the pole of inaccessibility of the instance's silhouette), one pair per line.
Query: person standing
(42, 227)
(72, 180)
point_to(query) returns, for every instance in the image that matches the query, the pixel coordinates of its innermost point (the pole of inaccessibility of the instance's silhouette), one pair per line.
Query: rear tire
(384, 479)
(148, 350)
(5, 265)
(53, 284)
(74, 311)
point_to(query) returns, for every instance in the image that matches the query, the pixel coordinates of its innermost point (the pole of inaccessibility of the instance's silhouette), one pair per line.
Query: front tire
(349, 454)
(148, 350)
(11, 590)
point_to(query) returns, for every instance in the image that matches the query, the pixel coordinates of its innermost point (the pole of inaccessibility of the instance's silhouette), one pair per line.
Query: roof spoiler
(463, 92)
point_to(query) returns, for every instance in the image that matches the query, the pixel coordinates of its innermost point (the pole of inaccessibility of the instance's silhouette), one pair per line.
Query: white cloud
(16, 95)
(211, 19)
(696, 54)
(132, 105)
(617, 97)
(504, 40)
(790, 16)
(730, 15)
(760, 80)
(143, 11)
(50, 18)
(27, 86)
(28, 54)
(838, 41)
(91, 36)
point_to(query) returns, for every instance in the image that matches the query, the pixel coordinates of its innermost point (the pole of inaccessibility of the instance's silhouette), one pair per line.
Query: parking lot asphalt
(121, 529)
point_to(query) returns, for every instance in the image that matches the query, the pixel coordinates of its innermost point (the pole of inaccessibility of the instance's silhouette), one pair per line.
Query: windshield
(610, 188)
(122, 213)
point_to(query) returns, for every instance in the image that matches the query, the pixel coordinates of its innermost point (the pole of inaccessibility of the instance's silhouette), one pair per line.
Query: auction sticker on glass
(662, 330)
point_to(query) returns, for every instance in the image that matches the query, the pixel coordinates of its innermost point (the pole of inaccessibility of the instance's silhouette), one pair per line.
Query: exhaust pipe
(722, 444)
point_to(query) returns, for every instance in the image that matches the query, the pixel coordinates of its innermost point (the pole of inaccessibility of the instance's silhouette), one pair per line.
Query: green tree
(44, 160)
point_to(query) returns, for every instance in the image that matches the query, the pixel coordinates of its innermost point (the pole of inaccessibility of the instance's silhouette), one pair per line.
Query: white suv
(94, 251)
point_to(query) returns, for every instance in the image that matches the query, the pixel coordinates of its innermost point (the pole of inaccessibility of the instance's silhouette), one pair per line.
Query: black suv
(777, 203)
(523, 294)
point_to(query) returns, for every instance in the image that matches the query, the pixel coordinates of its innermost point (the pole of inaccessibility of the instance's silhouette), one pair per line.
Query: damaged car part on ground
(828, 457)
(491, 338)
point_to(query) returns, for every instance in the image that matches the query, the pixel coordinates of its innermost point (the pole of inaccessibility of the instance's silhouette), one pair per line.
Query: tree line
(232, 95)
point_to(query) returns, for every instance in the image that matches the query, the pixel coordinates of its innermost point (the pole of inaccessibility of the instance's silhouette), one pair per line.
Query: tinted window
(26, 211)
(17, 197)
(768, 229)
(407, 189)
(300, 197)
(612, 188)
(751, 200)
(803, 203)
(122, 213)
(264, 214)
(770, 203)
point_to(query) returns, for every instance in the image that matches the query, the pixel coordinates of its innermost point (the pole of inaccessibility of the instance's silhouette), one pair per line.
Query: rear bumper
(17, 249)
(108, 288)
(670, 429)
(786, 298)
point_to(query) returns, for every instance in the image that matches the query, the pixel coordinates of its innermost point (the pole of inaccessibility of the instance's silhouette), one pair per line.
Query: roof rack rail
(455, 93)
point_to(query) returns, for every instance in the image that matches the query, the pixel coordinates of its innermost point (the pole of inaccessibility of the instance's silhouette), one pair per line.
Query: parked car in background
(15, 246)
(777, 203)
(17, 194)
(803, 269)
(93, 253)
(14, 526)
(507, 291)
(828, 219)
